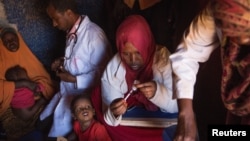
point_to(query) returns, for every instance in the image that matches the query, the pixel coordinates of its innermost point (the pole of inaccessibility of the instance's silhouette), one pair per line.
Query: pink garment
(136, 30)
(24, 97)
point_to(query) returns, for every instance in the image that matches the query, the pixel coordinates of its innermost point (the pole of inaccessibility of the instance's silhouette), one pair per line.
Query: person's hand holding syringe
(119, 106)
(147, 88)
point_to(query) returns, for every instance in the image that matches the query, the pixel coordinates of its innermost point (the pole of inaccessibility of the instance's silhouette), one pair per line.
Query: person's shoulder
(114, 61)
(161, 55)
(114, 67)
(90, 24)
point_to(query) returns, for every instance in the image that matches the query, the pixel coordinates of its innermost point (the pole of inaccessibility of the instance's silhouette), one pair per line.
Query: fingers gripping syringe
(132, 90)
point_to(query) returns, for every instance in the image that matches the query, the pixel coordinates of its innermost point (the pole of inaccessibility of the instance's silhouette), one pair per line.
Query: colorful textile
(233, 17)
(234, 21)
(24, 97)
(13, 126)
(235, 84)
(25, 58)
(96, 132)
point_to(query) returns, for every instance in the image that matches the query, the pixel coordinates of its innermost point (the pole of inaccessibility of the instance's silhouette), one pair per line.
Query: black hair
(63, 5)
(12, 73)
(76, 98)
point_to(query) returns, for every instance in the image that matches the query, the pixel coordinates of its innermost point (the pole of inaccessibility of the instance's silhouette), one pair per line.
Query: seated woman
(138, 75)
(14, 51)
(25, 102)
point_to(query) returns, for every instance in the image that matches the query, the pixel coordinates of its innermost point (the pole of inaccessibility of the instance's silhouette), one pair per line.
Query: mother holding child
(13, 52)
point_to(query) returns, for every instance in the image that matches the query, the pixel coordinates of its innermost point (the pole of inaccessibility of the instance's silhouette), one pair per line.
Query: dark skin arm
(28, 113)
(186, 128)
(26, 83)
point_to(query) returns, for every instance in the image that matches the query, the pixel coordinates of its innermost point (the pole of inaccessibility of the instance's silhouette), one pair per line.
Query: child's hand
(37, 95)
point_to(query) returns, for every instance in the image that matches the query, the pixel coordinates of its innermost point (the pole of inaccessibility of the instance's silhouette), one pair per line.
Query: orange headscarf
(25, 58)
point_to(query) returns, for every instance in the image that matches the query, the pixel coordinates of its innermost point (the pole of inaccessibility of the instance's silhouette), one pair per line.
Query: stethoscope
(73, 36)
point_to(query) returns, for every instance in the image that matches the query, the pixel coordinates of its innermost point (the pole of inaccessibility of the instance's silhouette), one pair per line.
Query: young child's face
(83, 112)
(10, 41)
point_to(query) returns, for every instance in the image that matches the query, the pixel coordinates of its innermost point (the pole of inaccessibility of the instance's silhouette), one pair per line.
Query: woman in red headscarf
(138, 75)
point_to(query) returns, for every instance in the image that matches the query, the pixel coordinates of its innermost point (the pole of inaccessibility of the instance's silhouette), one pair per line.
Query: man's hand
(66, 76)
(57, 64)
(186, 129)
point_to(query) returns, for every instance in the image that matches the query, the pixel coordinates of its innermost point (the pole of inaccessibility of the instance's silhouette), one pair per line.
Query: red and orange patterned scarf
(233, 18)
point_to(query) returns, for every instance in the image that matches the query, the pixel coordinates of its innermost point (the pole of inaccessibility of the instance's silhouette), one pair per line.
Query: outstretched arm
(198, 43)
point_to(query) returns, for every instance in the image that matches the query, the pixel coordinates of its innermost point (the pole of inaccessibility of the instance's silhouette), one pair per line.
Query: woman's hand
(147, 88)
(118, 107)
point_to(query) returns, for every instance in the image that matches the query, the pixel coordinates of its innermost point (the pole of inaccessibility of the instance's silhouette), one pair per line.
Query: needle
(132, 90)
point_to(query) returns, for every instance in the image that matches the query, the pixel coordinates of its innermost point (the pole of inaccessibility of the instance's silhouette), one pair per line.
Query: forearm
(185, 106)
(20, 84)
